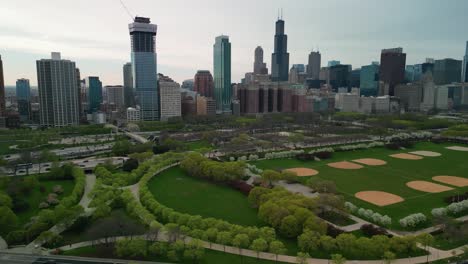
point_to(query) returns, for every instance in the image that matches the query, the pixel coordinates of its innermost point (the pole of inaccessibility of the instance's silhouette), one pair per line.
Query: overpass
(131, 135)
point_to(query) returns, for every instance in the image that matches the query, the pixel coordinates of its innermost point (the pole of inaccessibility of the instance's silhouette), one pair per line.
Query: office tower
(301, 68)
(428, 92)
(203, 84)
(447, 71)
(339, 76)
(313, 68)
(129, 96)
(93, 88)
(206, 106)
(392, 67)
(369, 80)
(355, 78)
(222, 74)
(56, 79)
(80, 92)
(2, 90)
(410, 95)
(464, 77)
(333, 63)
(23, 98)
(259, 66)
(144, 67)
(114, 98)
(280, 57)
(169, 94)
(189, 84)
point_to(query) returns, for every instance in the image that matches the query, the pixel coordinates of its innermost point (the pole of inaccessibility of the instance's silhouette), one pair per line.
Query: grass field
(391, 178)
(197, 145)
(36, 197)
(211, 257)
(177, 190)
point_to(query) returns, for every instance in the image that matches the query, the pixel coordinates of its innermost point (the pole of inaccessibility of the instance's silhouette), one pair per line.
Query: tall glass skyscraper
(369, 80)
(93, 93)
(23, 98)
(222, 74)
(144, 67)
(464, 77)
(128, 95)
(280, 58)
(2, 90)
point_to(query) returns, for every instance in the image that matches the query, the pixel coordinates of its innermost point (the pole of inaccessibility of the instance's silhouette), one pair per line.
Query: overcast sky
(94, 33)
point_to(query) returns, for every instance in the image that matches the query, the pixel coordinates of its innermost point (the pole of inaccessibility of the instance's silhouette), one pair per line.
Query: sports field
(397, 175)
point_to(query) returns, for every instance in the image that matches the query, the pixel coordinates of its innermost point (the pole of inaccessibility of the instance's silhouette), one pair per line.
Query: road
(68, 152)
(11, 258)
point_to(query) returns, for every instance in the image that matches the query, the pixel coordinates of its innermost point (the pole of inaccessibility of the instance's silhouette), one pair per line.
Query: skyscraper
(114, 98)
(144, 67)
(56, 79)
(259, 66)
(369, 80)
(447, 71)
(129, 97)
(464, 77)
(392, 67)
(2, 90)
(222, 74)
(280, 57)
(313, 68)
(93, 93)
(203, 84)
(170, 99)
(23, 98)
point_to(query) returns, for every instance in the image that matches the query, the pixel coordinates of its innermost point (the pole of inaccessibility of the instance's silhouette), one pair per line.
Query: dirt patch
(371, 162)
(303, 172)
(406, 156)
(452, 180)
(426, 153)
(345, 165)
(458, 148)
(428, 187)
(379, 198)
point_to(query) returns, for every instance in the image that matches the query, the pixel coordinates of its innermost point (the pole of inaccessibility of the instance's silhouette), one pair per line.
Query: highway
(14, 258)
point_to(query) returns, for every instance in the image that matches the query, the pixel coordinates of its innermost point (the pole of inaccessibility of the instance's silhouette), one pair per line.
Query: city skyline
(78, 39)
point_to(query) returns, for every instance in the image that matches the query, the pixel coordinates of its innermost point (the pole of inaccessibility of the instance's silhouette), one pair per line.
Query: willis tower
(280, 58)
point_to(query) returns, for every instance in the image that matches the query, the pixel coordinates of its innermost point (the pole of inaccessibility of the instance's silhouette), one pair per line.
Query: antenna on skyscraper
(281, 13)
(126, 9)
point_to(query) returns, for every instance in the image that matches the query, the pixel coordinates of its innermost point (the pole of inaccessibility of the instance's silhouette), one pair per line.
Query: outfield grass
(211, 257)
(390, 178)
(177, 190)
(36, 197)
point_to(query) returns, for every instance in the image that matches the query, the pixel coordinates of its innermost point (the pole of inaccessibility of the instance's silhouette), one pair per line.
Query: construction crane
(126, 9)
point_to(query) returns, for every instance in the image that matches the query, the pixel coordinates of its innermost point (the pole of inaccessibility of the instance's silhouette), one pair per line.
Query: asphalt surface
(8, 258)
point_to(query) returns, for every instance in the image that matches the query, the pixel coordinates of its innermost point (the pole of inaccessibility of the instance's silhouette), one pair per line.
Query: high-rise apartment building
(56, 79)
(259, 66)
(392, 67)
(169, 94)
(115, 98)
(280, 57)
(369, 80)
(2, 90)
(23, 98)
(313, 68)
(93, 88)
(222, 74)
(129, 96)
(464, 77)
(447, 71)
(144, 67)
(203, 84)
(340, 76)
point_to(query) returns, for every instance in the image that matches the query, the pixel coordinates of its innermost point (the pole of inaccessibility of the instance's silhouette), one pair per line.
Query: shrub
(44, 205)
(241, 186)
(457, 208)
(413, 220)
(333, 231)
(368, 214)
(439, 212)
(58, 189)
(130, 165)
(371, 230)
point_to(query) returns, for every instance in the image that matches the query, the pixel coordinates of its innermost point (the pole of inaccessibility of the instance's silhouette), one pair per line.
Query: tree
(389, 257)
(308, 241)
(8, 220)
(290, 227)
(172, 231)
(224, 238)
(302, 257)
(130, 165)
(211, 234)
(46, 156)
(270, 176)
(131, 248)
(154, 230)
(277, 248)
(259, 245)
(121, 148)
(241, 241)
(5, 200)
(194, 250)
(426, 240)
(337, 259)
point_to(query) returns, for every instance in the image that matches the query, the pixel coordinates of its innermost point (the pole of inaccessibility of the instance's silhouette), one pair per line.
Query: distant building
(206, 106)
(93, 87)
(355, 78)
(280, 56)
(203, 84)
(129, 96)
(222, 74)
(428, 93)
(57, 92)
(339, 76)
(369, 80)
(464, 76)
(441, 97)
(333, 63)
(313, 68)
(392, 68)
(2, 90)
(189, 106)
(23, 98)
(382, 104)
(170, 100)
(367, 105)
(458, 95)
(188, 84)
(133, 115)
(346, 102)
(447, 71)
(114, 98)
(410, 96)
(144, 67)
(259, 65)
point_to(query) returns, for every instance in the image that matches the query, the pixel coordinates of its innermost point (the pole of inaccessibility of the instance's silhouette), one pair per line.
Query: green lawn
(390, 178)
(177, 190)
(36, 197)
(211, 257)
(197, 145)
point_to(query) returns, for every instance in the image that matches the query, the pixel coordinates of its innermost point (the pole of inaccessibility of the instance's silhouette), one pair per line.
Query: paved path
(86, 200)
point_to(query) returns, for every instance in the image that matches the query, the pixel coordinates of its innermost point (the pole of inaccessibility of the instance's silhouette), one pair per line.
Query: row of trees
(368, 214)
(198, 166)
